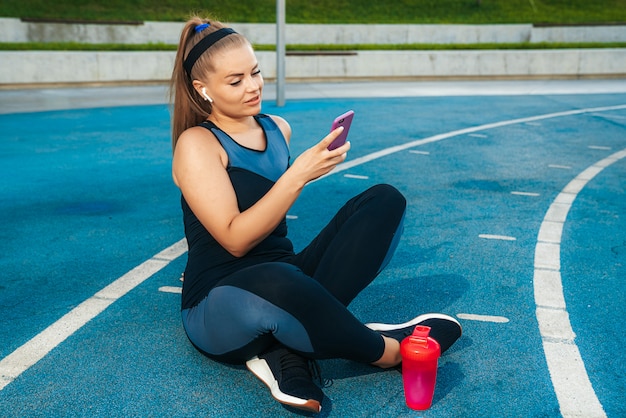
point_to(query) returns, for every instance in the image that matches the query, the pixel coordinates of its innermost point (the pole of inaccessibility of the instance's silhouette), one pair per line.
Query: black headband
(202, 46)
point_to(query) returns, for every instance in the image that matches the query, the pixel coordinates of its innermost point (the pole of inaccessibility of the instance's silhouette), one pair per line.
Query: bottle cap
(421, 331)
(419, 346)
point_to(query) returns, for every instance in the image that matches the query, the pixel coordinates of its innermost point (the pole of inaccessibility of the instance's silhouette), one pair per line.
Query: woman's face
(236, 84)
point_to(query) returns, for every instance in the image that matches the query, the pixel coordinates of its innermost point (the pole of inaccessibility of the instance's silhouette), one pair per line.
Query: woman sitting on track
(247, 296)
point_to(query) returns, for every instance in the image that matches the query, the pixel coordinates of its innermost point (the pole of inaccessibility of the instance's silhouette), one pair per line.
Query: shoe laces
(290, 360)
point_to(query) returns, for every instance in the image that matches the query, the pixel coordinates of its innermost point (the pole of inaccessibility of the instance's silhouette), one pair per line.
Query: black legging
(302, 301)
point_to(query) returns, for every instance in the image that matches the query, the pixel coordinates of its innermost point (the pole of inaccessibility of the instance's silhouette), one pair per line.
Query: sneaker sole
(260, 369)
(443, 328)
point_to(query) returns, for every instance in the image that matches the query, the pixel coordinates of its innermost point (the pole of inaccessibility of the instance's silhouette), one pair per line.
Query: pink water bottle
(420, 356)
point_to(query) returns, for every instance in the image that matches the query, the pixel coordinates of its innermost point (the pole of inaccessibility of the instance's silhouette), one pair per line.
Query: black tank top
(252, 174)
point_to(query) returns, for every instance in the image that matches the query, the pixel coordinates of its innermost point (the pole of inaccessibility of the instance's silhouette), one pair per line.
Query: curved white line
(569, 377)
(36, 348)
(391, 150)
(20, 360)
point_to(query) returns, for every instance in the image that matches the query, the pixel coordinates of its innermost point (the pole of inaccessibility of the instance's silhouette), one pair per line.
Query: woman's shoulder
(194, 133)
(197, 139)
(283, 125)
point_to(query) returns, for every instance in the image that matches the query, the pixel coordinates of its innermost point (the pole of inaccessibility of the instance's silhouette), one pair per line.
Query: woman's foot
(443, 328)
(288, 377)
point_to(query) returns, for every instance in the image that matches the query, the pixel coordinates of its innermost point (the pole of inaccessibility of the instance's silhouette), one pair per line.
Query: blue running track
(516, 225)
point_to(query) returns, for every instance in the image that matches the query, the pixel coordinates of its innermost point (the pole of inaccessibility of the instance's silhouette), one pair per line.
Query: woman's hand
(318, 160)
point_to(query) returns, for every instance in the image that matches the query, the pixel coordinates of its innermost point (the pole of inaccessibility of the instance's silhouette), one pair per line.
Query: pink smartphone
(344, 120)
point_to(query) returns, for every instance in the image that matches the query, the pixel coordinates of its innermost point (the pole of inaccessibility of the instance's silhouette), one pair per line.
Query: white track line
(569, 377)
(531, 194)
(171, 289)
(561, 167)
(497, 237)
(391, 150)
(483, 318)
(355, 176)
(36, 348)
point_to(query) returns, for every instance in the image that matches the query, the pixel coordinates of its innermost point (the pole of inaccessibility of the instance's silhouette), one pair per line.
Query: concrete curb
(67, 67)
(16, 30)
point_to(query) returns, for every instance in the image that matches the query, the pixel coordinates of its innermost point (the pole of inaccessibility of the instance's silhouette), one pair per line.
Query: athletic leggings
(301, 302)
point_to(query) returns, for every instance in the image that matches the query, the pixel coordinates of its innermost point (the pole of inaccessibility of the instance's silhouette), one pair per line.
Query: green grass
(430, 47)
(327, 11)
(73, 46)
(321, 11)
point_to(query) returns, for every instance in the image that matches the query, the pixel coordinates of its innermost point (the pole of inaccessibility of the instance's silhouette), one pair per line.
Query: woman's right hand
(318, 160)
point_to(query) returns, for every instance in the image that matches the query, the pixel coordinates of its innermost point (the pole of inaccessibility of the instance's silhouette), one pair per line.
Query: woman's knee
(390, 198)
(389, 193)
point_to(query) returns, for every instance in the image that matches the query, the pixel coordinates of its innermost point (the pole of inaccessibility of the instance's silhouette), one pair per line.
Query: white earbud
(206, 96)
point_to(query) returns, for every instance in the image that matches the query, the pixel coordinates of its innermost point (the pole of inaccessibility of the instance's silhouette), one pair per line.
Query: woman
(247, 296)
